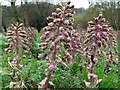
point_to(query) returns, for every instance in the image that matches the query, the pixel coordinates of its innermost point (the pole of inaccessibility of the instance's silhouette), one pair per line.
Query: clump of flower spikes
(58, 32)
(99, 34)
(16, 41)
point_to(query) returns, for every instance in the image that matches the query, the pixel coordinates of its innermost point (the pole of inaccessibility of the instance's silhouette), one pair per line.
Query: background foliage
(34, 14)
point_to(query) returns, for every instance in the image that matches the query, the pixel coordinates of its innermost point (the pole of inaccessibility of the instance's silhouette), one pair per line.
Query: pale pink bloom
(100, 14)
(110, 51)
(93, 35)
(9, 59)
(47, 58)
(84, 54)
(63, 8)
(95, 59)
(93, 44)
(25, 51)
(48, 18)
(42, 83)
(50, 24)
(96, 81)
(40, 55)
(45, 28)
(52, 67)
(87, 68)
(47, 32)
(48, 64)
(54, 13)
(98, 51)
(57, 20)
(58, 9)
(20, 65)
(59, 61)
(66, 22)
(104, 53)
(91, 64)
(90, 75)
(58, 48)
(61, 28)
(87, 83)
(15, 60)
(7, 49)
(61, 37)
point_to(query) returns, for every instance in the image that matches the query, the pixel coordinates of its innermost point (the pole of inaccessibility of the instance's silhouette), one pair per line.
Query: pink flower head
(40, 56)
(91, 64)
(9, 59)
(87, 83)
(46, 73)
(48, 64)
(95, 59)
(59, 61)
(92, 75)
(52, 67)
(110, 51)
(104, 53)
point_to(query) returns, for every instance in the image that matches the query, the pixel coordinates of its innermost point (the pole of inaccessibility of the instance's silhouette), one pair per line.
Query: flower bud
(54, 14)
(41, 55)
(22, 35)
(61, 28)
(59, 61)
(47, 58)
(48, 64)
(25, 51)
(95, 59)
(7, 49)
(47, 33)
(52, 67)
(87, 83)
(104, 53)
(58, 10)
(20, 65)
(9, 59)
(50, 18)
(66, 22)
(50, 24)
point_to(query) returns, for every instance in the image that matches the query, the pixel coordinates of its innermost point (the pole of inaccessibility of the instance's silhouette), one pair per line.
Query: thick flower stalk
(17, 42)
(59, 32)
(99, 35)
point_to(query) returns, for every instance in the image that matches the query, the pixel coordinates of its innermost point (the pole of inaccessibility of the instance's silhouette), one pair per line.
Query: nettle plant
(100, 40)
(60, 38)
(18, 40)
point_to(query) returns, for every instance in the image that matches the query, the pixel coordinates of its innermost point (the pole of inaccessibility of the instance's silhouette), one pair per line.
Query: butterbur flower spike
(17, 40)
(60, 31)
(99, 34)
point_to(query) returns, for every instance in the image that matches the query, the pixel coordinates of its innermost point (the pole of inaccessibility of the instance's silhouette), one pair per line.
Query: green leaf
(74, 68)
(34, 77)
(3, 71)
